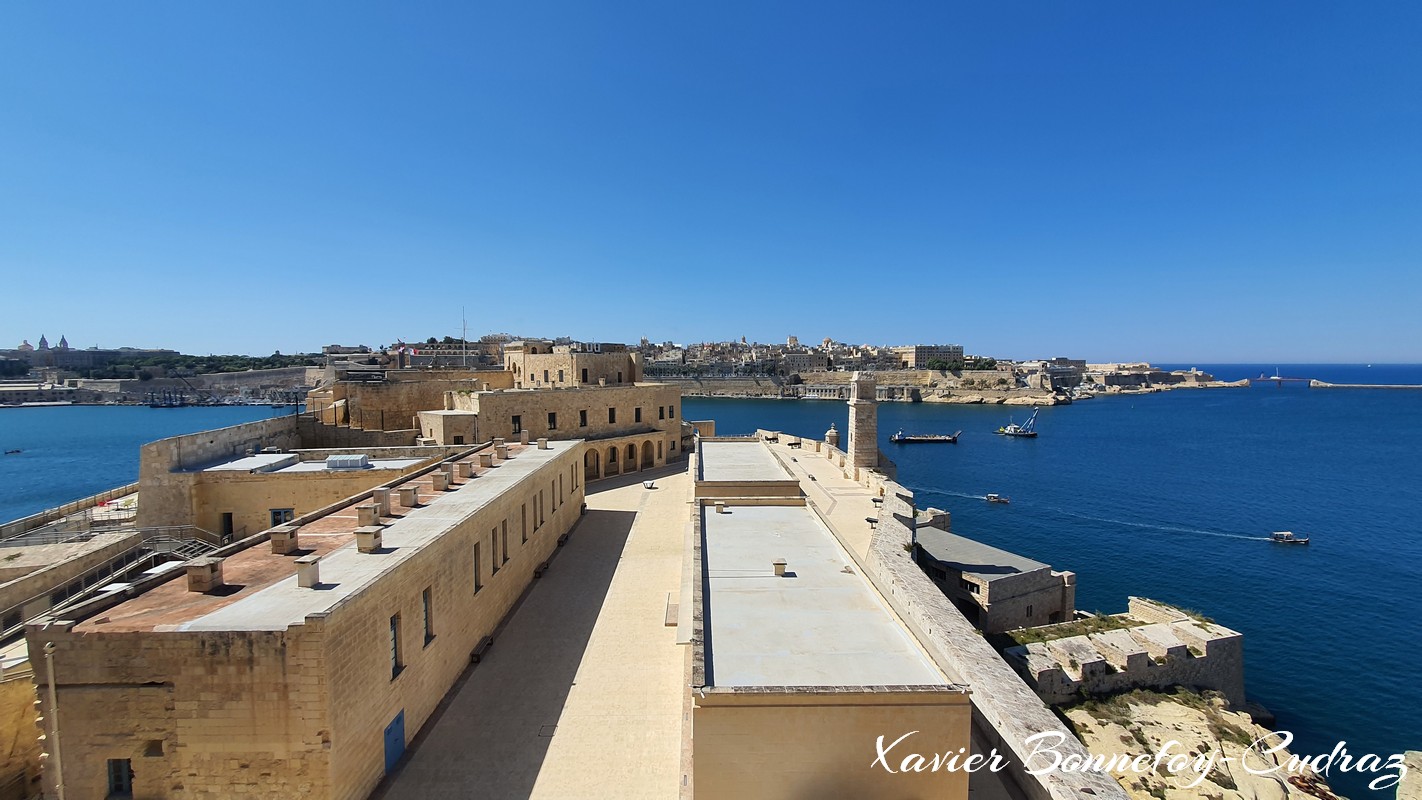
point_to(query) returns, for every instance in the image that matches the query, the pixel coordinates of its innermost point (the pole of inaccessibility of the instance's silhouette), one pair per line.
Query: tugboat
(997, 498)
(1026, 430)
(1287, 537)
(916, 438)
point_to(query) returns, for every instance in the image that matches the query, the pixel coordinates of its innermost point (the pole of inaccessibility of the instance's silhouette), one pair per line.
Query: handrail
(169, 534)
(42, 518)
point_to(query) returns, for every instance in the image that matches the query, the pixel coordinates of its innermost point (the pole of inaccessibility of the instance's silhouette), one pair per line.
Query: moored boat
(1027, 430)
(916, 438)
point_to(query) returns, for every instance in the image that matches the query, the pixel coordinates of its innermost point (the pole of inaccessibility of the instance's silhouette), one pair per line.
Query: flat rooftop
(291, 462)
(739, 461)
(974, 558)
(821, 625)
(262, 594)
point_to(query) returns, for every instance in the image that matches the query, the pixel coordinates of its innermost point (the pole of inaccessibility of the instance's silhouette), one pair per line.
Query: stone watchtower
(863, 423)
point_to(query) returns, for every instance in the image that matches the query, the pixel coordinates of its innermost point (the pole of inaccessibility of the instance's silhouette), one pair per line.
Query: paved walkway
(845, 503)
(581, 694)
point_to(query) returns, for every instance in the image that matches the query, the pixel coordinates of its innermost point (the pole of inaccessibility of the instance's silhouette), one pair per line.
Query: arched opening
(631, 463)
(648, 461)
(612, 461)
(592, 465)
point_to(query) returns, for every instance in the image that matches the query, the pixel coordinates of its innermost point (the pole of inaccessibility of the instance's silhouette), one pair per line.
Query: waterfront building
(996, 590)
(797, 660)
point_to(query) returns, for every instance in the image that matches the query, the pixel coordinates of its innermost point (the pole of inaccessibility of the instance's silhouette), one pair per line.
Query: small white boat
(1287, 537)
(997, 498)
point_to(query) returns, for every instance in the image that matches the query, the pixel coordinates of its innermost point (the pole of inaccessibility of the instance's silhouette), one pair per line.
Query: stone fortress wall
(1172, 648)
(1005, 710)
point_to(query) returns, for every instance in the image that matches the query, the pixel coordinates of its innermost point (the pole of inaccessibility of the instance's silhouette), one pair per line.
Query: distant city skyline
(1211, 183)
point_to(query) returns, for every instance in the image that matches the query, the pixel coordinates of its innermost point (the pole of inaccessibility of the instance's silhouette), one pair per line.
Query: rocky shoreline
(1193, 725)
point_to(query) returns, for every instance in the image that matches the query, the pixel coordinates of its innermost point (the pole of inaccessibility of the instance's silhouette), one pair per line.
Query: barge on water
(924, 438)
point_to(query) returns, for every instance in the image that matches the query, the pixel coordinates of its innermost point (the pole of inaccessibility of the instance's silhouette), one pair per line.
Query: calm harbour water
(1170, 495)
(1166, 495)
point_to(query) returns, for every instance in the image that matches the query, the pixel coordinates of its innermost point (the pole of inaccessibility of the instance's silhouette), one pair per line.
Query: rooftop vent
(348, 462)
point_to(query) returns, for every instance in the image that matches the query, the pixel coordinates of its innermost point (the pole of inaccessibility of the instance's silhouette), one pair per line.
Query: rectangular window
(504, 539)
(427, 608)
(523, 521)
(583, 418)
(459, 440)
(619, 376)
(552, 420)
(1029, 612)
(120, 777)
(611, 415)
(560, 491)
(281, 515)
(478, 572)
(538, 511)
(560, 376)
(585, 376)
(517, 424)
(494, 548)
(545, 376)
(673, 447)
(661, 412)
(671, 412)
(397, 660)
(637, 414)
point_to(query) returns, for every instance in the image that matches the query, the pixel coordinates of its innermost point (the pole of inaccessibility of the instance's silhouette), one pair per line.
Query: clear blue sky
(1206, 181)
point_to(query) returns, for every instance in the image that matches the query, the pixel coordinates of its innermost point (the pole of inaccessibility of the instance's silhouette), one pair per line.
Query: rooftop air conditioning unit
(347, 462)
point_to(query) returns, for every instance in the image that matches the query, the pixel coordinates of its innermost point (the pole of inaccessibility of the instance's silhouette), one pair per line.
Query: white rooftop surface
(739, 461)
(375, 463)
(290, 462)
(345, 571)
(825, 626)
(258, 462)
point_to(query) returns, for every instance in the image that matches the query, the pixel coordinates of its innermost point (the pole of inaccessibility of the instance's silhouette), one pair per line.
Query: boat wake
(941, 493)
(919, 491)
(1162, 528)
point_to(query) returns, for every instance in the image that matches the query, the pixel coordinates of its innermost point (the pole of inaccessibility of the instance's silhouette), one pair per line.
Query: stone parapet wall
(1006, 711)
(1183, 652)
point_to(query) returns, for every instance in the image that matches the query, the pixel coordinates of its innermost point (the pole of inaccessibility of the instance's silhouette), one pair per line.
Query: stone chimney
(308, 572)
(204, 574)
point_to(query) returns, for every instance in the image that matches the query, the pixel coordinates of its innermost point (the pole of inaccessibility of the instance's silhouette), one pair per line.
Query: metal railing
(173, 542)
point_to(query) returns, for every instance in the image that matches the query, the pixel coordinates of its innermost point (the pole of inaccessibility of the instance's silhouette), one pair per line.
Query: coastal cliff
(1193, 725)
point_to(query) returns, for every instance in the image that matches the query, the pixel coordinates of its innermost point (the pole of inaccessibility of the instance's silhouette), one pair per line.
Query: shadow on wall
(493, 729)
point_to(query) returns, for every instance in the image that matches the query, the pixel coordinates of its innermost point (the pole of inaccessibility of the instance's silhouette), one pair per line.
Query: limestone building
(798, 662)
(538, 364)
(917, 356)
(996, 590)
(301, 662)
(628, 427)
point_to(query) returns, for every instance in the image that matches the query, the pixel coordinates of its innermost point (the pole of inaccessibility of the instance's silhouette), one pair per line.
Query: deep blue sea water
(71, 452)
(1164, 495)
(1170, 496)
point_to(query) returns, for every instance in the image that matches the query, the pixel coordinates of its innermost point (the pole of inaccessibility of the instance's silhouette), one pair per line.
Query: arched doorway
(631, 463)
(648, 461)
(612, 461)
(592, 465)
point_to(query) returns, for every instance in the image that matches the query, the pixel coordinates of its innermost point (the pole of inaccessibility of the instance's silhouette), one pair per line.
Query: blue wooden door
(394, 741)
